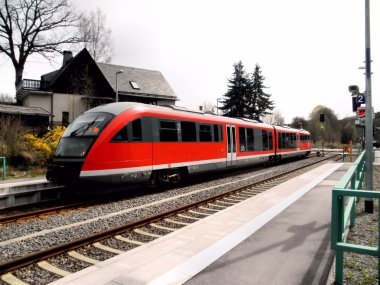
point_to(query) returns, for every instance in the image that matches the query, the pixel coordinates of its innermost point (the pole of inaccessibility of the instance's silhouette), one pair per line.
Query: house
(81, 83)
(34, 118)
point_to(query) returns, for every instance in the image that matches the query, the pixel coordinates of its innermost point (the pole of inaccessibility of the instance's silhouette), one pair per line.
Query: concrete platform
(280, 236)
(25, 191)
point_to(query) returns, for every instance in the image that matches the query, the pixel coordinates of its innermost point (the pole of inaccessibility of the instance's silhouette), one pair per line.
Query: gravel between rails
(118, 244)
(34, 275)
(46, 240)
(68, 263)
(95, 253)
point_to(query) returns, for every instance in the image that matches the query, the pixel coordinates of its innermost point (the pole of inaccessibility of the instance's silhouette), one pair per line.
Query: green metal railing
(344, 195)
(4, 166)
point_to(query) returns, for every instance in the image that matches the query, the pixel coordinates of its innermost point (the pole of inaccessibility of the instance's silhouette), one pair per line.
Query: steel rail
(6, 219)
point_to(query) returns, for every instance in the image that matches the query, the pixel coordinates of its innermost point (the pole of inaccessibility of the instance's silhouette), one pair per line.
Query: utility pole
(368, 203)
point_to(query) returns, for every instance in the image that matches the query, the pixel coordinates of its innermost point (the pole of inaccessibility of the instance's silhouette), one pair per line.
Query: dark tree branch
(35, 26)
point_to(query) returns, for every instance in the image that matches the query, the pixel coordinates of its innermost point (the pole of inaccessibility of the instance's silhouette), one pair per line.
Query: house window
(134, 85)
(65, 119)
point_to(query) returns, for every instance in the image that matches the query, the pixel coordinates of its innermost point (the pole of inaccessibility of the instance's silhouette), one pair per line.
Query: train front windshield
(81, 133)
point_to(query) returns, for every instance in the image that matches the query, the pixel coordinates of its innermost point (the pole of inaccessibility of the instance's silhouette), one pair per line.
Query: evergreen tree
(238, 90)
(258, 102)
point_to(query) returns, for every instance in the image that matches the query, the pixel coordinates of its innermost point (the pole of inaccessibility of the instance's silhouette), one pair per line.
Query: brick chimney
(67, 56)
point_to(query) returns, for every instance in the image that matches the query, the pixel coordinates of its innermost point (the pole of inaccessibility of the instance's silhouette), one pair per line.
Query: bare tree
(34, 27)
(276, 118)
(208, 106)
(6, 99)
(81, 83)
(97, 38)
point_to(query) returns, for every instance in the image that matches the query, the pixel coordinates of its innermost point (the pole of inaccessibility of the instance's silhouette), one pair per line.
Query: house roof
(147, 83)
(150, 83)
(20, 110)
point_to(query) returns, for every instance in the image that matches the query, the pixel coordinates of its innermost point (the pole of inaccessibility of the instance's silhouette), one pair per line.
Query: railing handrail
(344, 196)
(31, 84)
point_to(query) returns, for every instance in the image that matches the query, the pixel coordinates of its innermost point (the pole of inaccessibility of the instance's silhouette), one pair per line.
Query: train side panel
(121, 155)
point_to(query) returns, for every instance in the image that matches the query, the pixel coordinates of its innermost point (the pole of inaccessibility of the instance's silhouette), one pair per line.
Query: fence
(344, 196)
(4, 166)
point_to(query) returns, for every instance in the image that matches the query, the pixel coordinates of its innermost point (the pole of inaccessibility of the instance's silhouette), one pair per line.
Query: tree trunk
(19, 72)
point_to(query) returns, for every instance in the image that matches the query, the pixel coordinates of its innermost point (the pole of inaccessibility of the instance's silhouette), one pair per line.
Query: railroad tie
(239, 196)
(176, 222)
(188, 217)
(208, 209)
(217, 206)
(232, 200)
(107, 248)
(53, 269)
(141, 232)
(162, 227)
(199, 213)
(13, 280)
(226, 203)
(79, 256)
(124, 239)
(245, 196)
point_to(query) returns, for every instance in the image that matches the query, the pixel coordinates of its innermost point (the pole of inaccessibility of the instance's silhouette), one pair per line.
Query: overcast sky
(309, 50)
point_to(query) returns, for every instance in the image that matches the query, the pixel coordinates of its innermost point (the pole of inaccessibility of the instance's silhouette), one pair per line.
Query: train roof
(120, 107)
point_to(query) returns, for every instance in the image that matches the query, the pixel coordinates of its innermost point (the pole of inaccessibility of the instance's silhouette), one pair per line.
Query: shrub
(11, 130)
(46, 145)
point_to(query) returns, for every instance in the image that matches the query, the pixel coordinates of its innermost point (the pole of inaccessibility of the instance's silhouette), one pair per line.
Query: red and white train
(131, 142)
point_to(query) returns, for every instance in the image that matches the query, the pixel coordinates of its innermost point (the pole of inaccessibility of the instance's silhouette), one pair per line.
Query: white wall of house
(73, 104)
(165, 102)
(38, 100)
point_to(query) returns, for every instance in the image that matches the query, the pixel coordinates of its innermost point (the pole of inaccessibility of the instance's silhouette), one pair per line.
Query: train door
(231, 145)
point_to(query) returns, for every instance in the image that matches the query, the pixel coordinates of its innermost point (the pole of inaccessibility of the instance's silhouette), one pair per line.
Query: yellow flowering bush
(47, 144)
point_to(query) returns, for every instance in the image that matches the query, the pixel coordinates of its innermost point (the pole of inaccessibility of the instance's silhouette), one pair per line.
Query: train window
(220, 133)
(168, 131)
(217, 133)
(205, 134)
(265, 139)
(250, 140)
(282, 138)
(242, 140)
(136, 130)
(121, 136)
(258, 140)
(270, 140)
(189, 133)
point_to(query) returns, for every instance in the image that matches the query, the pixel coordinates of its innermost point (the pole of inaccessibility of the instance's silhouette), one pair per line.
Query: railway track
(7, 217)
(85, 251)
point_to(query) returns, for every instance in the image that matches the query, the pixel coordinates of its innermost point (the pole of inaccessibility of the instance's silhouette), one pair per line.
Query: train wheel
(167, 177)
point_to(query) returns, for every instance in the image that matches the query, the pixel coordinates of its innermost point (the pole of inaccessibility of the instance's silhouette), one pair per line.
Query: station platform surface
(8, 183)
(281, 236)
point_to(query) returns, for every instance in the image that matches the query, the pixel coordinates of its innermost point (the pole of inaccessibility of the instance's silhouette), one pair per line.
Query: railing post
(353, 214)
(339, 266)
(378, 244)
(4, 168)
